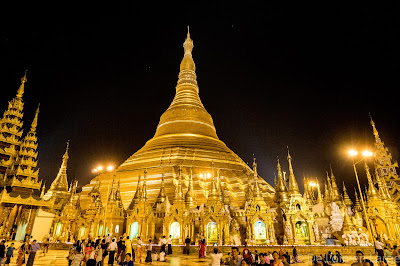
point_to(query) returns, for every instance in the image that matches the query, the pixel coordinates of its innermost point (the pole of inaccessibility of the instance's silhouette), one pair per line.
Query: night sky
(297, 75)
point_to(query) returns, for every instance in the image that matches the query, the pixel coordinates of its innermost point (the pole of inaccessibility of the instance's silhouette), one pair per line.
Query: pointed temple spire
(144, 188)
(213, 189)
(60, 183)
(346, 199)
(281, 188)
(257, 192)
(372, 193)
(186, 114)
(137, 195)
(335, 189)
(21, 88)
(319, 197)
(293, 186)
(162, 196)
(189, 194)
(35, 120)
(374, 130)
(178, 190)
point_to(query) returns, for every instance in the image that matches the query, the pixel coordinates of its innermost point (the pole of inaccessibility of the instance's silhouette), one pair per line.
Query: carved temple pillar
(31, 220)
(10, 222)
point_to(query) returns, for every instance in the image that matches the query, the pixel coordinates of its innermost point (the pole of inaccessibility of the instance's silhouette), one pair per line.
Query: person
(121, 252)
(128, 260)
(21, 255)
(360, 259)
(329, 257)
(76, 261)
(163, 243)
(139, 248)
(367, 262)
(169, 242)
(255, 257)
(187, 246)
(46, 246)
(162, 256)
(149, 249)
(285, 260)
(34, 248)
(92, 258)
(99, 254)
(113, 247)
(202, 249)
(396, 255)
(2, 251)
(236, 259)
(247, 255)
(87, 250)
(128, 245)
(9, 254)
(338, 257)
(262, 257)
(276, 261)
(154, 256)
(105, 251)
(216, 257)
(379, 248)
(281, 253)
(108, 238)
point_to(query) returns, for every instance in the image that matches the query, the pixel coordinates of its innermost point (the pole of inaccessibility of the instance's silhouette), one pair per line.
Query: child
(128, 260)
(10, 253)
(154, 256)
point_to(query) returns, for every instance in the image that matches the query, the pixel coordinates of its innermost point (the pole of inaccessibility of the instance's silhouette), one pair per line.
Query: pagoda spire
(319, 197)
(137, 195)
(214, 189)
(35, 119)
(375, 131)
(357, 204)
(372, 193)
(111, 196)
(144, 188)
(281, 188)
(162, 196)
(335, 189)
(21, 88)
(60, 183)
(178, 191)
(293, 186)
(189, 194)
(257, 192)
(346, 199)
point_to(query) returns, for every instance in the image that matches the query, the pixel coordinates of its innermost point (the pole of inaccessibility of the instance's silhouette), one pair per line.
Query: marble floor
(58, 257)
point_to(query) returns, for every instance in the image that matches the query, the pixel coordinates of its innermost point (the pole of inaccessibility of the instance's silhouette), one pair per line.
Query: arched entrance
(212, 233)
(260, 232)
(175, 230)
(134, 230)
(101, 230)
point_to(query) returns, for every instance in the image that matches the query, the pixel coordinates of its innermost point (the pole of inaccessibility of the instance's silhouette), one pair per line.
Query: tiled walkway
(58, 257)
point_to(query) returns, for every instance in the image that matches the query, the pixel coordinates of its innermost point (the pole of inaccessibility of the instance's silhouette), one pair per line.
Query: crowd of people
(28, 249)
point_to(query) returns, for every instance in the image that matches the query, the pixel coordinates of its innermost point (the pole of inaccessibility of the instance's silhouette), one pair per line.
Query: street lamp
(100, 170)
(365, 154)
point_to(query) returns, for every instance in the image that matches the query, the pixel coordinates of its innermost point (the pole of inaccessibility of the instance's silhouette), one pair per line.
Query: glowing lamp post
(365, 154)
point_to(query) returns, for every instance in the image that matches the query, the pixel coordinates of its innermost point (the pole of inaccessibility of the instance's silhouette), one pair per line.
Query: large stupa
(185, 141)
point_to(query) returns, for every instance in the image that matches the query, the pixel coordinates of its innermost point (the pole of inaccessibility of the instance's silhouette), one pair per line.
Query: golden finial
(374, 130)
(21, 89)
(35, 119)
(188, 44)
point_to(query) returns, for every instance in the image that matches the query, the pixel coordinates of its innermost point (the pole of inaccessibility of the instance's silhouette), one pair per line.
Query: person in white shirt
(216, 258)
(162, 256)
(379, 248)
(139, 248)
(113, 247)
(163, 243)
(108, 238)
(149, 249)
(169, 242)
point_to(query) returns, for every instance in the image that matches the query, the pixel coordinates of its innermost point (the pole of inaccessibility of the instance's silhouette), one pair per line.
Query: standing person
(88, 249)
(149, 249)
(202, 249)
(2, 251)
(236, 259)
(263, 257)
(104, 250)
(139, 248)
(108, 238)
(113, 247)
(379, 248)
(163, 244)
(128, 260)
(216, 257)
(9, 254)
(247, 256)
(128, 244)
(99, 257)
(187, 245)
(34, 248)
(169, 242)
(92, 258)
(21, 255)
(77, 260)
(122, 253)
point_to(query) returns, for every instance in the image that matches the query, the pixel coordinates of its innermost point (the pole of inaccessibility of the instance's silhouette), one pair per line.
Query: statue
(316, 232)
(272, 233)
(288, 231)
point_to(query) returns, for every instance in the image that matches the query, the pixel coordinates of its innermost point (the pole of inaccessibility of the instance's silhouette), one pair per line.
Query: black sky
(271, 76)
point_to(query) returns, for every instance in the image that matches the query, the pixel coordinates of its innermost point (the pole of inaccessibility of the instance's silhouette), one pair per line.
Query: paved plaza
(58, 257)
